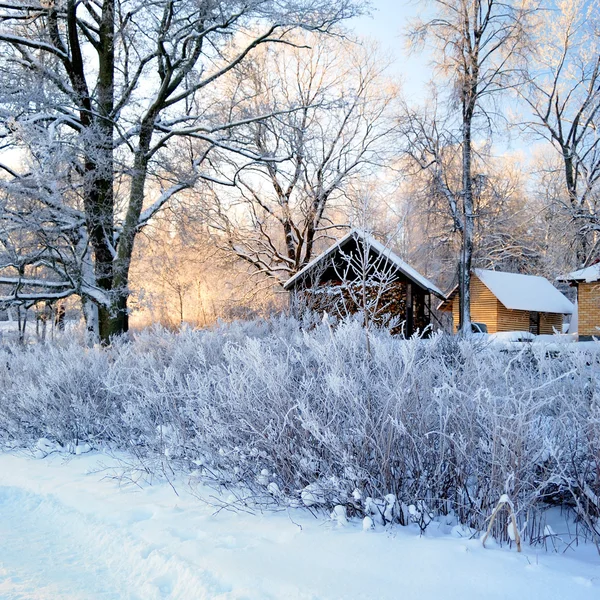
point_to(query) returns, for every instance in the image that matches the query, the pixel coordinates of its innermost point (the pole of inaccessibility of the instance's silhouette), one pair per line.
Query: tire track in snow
(52, 552)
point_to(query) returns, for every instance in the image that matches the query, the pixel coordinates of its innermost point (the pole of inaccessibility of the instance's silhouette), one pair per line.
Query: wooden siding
(486, 308)
(588, 300)
(512, 320)
(455, 315)
(549, 322)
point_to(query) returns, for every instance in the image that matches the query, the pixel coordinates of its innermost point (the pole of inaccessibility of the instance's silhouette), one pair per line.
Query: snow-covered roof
(589, 274)
(382, 250)
(525, 292)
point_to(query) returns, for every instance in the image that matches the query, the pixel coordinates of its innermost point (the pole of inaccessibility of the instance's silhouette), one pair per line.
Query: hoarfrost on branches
(293, 413)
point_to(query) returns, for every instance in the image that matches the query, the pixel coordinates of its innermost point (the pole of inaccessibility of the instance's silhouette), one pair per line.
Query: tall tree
(475, 43)
(95, 91)
(281, 209)
(562, 90)
(508, 231)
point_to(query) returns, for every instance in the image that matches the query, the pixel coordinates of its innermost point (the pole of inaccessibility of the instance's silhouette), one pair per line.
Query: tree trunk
(582, 247)
(313, 222)
(118, 321)
(91, 316)
(180, 297)
(466, 258)
(105, 202)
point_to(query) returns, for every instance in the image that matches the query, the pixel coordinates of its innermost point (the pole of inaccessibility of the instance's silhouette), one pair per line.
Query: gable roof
(380, 249)
(587, 275)
(520, 292)
(525, 292)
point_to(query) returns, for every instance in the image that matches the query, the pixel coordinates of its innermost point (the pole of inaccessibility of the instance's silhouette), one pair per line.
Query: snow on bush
(414, 431)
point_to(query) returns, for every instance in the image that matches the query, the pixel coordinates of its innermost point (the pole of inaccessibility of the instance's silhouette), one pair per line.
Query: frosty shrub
(290, 412)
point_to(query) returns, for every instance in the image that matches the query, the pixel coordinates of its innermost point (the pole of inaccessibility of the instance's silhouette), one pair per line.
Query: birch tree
(93, 94)
(562, 91)
(508, 231)
(475, 44)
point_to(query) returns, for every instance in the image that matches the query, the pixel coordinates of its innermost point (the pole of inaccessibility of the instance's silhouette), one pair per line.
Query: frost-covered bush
(295, 412)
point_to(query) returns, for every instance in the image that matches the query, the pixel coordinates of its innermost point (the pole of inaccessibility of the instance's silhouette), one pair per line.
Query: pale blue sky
(386, 25)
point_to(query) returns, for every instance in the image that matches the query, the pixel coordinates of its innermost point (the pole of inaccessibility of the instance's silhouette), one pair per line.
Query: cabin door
(534, 322)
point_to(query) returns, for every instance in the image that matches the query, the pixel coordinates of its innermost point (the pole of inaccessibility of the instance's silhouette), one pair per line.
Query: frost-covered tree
(562, 91)
(281, 209)
(475, 43)
(509, 229)
(93, 94)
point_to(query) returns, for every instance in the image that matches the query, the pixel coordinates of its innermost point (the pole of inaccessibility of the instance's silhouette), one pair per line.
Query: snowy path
(49, 550)
(69, 535)
(52, 552)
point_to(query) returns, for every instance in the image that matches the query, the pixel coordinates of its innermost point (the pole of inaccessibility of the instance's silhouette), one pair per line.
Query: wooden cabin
(587, 316)
(512, 302)
(331, 281)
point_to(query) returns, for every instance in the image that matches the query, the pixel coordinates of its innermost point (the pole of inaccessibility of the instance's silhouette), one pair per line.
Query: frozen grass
(34, 332)
(287, 413)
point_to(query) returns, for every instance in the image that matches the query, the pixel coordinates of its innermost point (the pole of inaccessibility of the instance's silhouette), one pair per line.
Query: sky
(386, 24)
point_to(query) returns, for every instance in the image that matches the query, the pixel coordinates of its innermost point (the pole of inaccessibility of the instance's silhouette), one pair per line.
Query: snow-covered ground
(68, 530)
(9, 331)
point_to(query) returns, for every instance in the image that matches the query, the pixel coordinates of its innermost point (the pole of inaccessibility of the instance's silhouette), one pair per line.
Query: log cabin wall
(518, 320)
(512, 320)
(335, 299)
(455, 313)
(550, 322)
(484, 306)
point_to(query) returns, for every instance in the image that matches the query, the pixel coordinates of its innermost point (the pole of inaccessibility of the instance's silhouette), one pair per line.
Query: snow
(556, 338)
(313, 494)
(574, 323)
(525, 292)
(588, 274)
(402, 266)
(339, 515)
(512, 336)
(515, 340)
(70, 530)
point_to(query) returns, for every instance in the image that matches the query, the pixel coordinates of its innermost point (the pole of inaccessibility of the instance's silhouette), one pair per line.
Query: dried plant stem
(504, 503)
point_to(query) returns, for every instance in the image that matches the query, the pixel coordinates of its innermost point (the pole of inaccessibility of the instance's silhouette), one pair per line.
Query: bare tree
(95, 92)
(509, 227)
(562, 89)
(475, 44)
(283, 207)
(367, 282)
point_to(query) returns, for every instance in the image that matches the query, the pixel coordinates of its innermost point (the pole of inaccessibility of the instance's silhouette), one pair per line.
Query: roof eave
(539, 310)
(292, 281)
